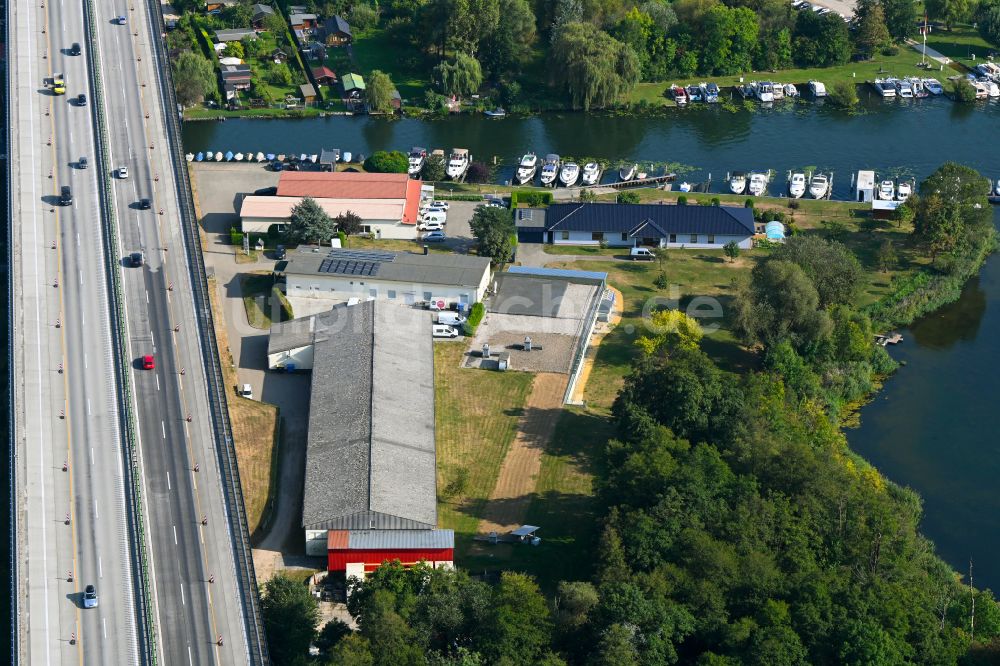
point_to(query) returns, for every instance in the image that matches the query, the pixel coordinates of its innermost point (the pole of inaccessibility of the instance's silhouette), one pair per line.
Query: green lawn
(902, 64)
(260, 303)
(374, 50)
(960, 44)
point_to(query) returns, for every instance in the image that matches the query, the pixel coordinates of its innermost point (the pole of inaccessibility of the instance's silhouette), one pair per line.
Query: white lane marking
(157, 382)
(153, 340)
(80, 272)
(168, 481)
(91, 455)
(163, 427)
(104, 622)
(190, 660)
(88, 406)
(147, 298)
(78, 239)
(100, 568)
(96, 514)
(183, 603)
(187, 431)
(83, 318)
(175, 535)
(85, 361)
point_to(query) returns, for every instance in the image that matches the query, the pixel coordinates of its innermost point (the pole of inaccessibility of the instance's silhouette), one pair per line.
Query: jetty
(888, 339)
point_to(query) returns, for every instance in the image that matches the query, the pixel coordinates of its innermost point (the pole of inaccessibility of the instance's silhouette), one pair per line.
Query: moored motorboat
(933, 86)
(919, 89)
(904, 88)
(797, 185)
(886, 190)
(495, 113)
(260, 157)
(819, 185)
(817, 88)
(270, 157)
(550, 169)
(313, 158)
(778, 91)
(640, 174)
(763, 91)
(627, 172)
(757, 184)
(209, 156)
(885, 87)
(238, 157)
(569, 174)
(694, 93)
(415, 161)
(679, 94)
(346, 157)
(790, 90)
(228, 156)
(904, 189)
(199, 157)
(526, 169)
(738, 182)
(458, 163)
(709, 92)
(591, 174)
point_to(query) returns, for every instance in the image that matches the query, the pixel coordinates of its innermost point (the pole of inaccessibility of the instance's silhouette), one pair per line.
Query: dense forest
(738, 527)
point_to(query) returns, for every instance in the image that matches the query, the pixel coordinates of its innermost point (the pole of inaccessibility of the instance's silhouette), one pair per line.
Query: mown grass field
(375, 50)
(960, 43)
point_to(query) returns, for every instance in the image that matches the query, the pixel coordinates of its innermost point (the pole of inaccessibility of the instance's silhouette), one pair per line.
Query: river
(898, 138)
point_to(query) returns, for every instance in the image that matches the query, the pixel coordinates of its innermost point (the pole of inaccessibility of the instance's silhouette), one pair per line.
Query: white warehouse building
(407, 278)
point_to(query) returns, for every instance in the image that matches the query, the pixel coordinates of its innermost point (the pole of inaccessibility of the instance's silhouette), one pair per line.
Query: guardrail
(225, 448)
(133, 478)
(14, 595)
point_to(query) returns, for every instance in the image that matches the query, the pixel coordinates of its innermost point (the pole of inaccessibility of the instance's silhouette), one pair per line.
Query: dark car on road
(145, 204)
(279, 252)
(82, 163)
(81, 100)
(65, 195)
(135, 259)
(74, 50)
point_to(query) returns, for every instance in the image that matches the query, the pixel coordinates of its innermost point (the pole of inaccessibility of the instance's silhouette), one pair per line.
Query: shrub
(533, 199)
(661, 281)
(384, 161)
(628, 197)
(235, 236)
(476, 314)
(343, 238)
(794, 204)
(748, 203)
(844, 94)
(891, 50)
(716, 201)
(682, 200)
(962, 90)
(479, 172)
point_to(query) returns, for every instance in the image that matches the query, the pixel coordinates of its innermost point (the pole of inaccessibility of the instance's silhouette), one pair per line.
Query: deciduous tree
(949, 11)
(900, 18)
(732, 250)
(379, 92)
(593, 67)
(871, 33)
(290, 616)
(988, 21)
(349, 222)
(493, 228)
(461, 76)
(387, 161)
(194, 77)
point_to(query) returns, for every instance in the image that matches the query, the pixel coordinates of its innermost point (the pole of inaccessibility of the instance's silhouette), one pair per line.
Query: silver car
(90, 597)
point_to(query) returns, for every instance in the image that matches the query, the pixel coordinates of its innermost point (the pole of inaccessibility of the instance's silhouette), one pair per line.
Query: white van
(431, 226)
(435, 216)
(450, 318)
(443, 331)
(641, 253)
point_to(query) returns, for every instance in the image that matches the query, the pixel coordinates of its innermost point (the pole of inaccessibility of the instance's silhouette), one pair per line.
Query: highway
(194, 581)
(75, 523)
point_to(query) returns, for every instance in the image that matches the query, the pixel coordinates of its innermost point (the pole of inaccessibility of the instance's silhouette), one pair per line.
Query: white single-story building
(404, 277)
(633, 225)
(382, 217)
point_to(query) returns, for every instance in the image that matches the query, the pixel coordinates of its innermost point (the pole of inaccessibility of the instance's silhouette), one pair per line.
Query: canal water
(895, 138)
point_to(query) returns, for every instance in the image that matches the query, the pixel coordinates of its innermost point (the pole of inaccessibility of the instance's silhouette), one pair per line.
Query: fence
(225, 450)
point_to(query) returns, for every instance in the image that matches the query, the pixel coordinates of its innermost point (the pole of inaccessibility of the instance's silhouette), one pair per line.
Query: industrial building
(404, 277)
(633, 225)
(387, 203)
(370, 490)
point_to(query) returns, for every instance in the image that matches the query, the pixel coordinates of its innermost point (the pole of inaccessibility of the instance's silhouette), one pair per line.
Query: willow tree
(379, 92)
(462, 76)
(594, 67)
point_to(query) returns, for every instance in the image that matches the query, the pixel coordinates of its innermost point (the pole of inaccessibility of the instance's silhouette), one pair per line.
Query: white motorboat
(903, 190)
(738, 182)
(238, 157)
(933, 86)
(778, 90)
(415, 161)
(260, 157)
(550, 169)
(591, 174)
(997, 189)
(209, 156)
(627, 172)
(757, 184)
(458, 163)
(189, 157)
(885, 87)
(526, 169)
(819, 186)
(709, 92)
(991, 87)
(569, 174)
(763, 90)
(886, 190)
(694, 93)
(346, 156)
(314, 158)
(797, 185)
(904, 89)
(817, 88)
(640, 174)
(218, 156)
(684, 187)
(791, 90)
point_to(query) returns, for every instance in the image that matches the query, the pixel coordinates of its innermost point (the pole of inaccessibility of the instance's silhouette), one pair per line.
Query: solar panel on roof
(360, 255)
(349, 267)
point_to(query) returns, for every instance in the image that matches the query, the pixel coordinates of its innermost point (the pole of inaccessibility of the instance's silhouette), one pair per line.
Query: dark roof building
(260, 12)
(234, 35)
(640, 224)
(370, 457)
(336, 31)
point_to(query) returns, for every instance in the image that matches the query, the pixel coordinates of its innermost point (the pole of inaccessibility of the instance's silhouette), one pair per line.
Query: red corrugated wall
(337, 559)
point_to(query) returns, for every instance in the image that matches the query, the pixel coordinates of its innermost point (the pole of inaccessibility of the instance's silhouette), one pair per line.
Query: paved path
(931, 53)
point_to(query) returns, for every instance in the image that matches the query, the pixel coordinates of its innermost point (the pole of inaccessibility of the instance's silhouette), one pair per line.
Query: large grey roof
(454, 270)
(370, 459)
(651, 219)
(288, 335)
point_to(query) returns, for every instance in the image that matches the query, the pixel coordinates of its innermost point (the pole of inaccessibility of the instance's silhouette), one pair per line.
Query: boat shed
(864, 186)
(370, 449)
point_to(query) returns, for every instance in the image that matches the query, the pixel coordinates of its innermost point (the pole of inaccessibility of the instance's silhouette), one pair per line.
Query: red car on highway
(148, 363)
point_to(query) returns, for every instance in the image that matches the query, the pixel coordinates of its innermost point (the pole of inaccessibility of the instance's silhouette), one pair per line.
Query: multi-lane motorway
(69, 404)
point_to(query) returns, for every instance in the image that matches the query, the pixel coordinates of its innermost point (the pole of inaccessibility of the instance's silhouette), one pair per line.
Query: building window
(564, 235)
(624, 236)
(392, 294)
(428, 295)
(711, 239)
(673, 238)
(694, 238)
(597, 236)
(373, 293)
(366, 229)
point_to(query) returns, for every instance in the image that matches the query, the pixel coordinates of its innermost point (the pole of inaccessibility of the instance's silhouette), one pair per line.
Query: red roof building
(357, 552)
(350, 185)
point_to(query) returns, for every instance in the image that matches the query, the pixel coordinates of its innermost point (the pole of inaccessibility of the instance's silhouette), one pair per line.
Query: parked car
(431, 226)
(266, 191)
(641, 253)
(434, 237)
(279, 252)
(247, 391)
(121, 20)
(450, 318)
(444, 331)
(148, 362)
(277, 166)
(439, 217)
(444, 205)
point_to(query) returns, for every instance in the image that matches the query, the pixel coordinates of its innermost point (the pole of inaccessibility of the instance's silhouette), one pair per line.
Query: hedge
(529, 197)
(476, 315)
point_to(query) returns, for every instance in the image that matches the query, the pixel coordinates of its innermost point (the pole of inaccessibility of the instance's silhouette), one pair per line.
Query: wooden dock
(652, 181)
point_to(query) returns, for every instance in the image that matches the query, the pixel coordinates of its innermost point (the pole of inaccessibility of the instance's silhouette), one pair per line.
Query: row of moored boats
(817, 185)
(552, 171)
(908, 87)
(456, 166)
(763, 91)
(229, 156)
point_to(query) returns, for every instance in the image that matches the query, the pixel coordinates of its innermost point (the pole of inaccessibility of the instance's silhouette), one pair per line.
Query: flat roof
(280, 208)
(560, 273)
(454, 270)
(370, 456)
